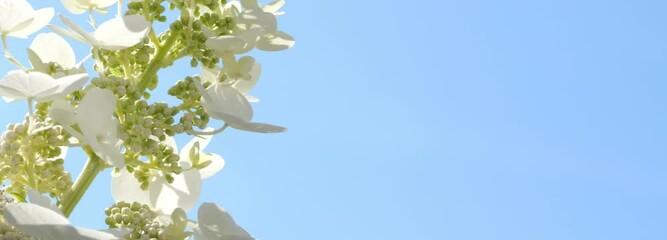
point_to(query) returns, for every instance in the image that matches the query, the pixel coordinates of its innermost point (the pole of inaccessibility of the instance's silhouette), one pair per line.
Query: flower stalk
(93, 167)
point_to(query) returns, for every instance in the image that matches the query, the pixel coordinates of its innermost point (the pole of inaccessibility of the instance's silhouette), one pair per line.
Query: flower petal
(125, 187)
(89, 39)
(227, 100)
(244, 86)
(182, 193)
(51, 47)
(66, 85)
(98, 127)
(239, 124)
(42, 17)
(216, 223)
(274, 6)
(74, 6)
(277, 41)
(65, 32)
(44, 223)
(16, 14)
(62, 112)
(122, 32)
(29, 85)
(217, 164)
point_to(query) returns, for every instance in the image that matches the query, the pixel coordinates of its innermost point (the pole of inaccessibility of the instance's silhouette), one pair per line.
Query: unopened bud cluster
(32, 160)
(138, 217)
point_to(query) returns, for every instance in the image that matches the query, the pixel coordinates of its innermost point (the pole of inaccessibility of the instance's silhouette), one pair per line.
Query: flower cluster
(109, 113)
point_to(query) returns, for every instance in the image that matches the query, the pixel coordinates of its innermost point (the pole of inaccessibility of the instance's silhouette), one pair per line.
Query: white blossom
(19, 19)
(216, 224)
(19, 85)
(41, 218)
(94, 117)
(243, 74)
(225, 103)
(183, 193)
(114, 34)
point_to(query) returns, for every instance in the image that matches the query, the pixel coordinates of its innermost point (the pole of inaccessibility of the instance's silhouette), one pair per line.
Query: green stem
(9, 55)
(157, 62)
(94, 166)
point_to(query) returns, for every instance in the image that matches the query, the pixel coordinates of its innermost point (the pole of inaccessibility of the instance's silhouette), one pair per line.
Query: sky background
(469, 119)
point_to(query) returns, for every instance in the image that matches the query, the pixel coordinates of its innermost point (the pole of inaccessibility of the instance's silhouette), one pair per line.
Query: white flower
(162, 196)
(115, 34)
(19, 19)
(95, 119)
(42, 219)
(244, 74)
(256, 27)
(81, 6)
(19, 85)
(225, 103)
(183, 192)
(51, 48)
(254, 16)
(216, 224)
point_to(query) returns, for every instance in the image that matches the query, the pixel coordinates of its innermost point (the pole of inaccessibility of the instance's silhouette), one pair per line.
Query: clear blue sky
(468, 119)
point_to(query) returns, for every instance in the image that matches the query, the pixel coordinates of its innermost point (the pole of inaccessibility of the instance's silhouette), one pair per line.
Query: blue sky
(472, 119)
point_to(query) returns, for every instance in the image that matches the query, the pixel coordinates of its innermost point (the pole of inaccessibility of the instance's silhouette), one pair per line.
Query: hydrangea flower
(94, 117)
(183, 192)
(244, 74)
(40, 218)
(254, 15)
(49, 48)
(225, 103)
(216, 224)
(19, 85)
(115, 34)
(19, 19)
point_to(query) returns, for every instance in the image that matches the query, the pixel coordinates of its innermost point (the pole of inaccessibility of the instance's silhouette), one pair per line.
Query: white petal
(122, 32)
(249, 4)
(125, 187)
(182, 193)
(30, 85)
(198, 234)
(210, 74)
(62, 112)
(244, 86)
(274, 6)
(250, 37)
(42, 17)
(203, 142)
(36, 61)
(66, 85)
(15, 14)
(216, 223)
(239, 124)
(95, 109)
(78, 30)
(254, 18)
(74, 6)
(225, 99)
(51, 47)
(41, 222)
(225, 44)
(73, 35)
(275, 42)
(98, 127)
(217, 164)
